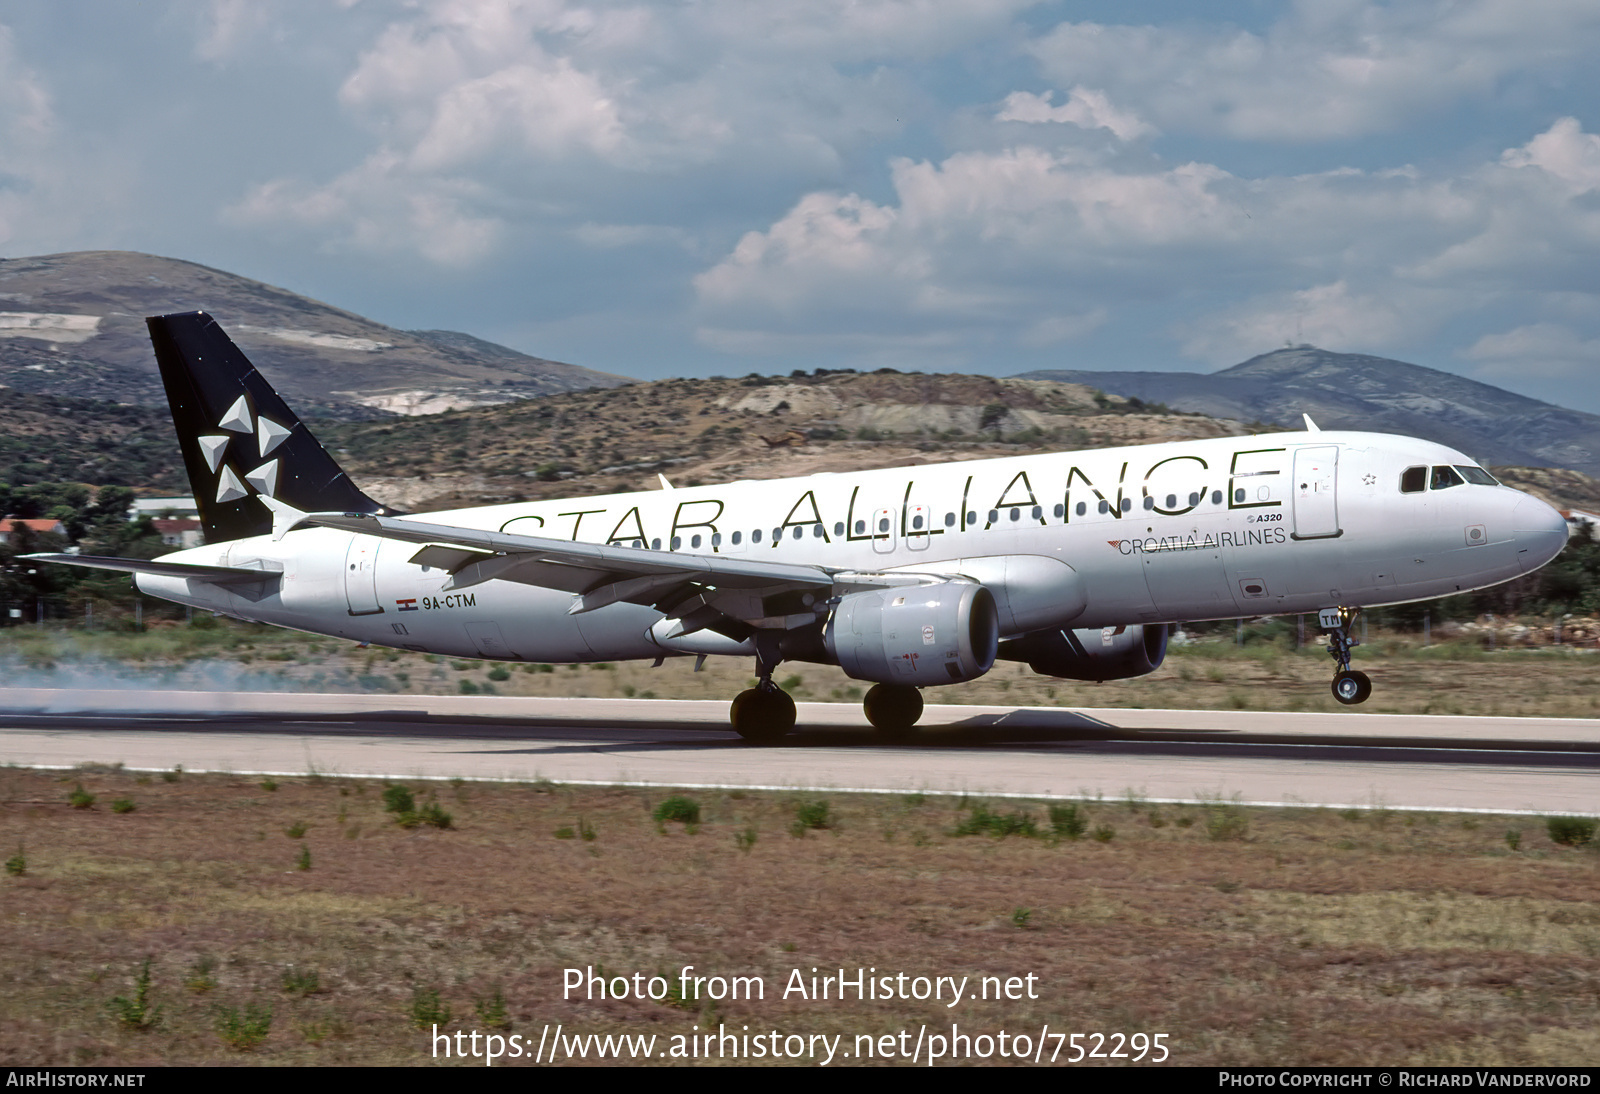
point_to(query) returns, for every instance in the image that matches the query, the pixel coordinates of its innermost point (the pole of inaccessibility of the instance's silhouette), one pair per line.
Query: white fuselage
(1191, 530)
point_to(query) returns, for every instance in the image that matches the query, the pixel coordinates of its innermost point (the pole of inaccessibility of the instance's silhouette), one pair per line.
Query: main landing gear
(764, 714)
(1349, 686)
(893, 710)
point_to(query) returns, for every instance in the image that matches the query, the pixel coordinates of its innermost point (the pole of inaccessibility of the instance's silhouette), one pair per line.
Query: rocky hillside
(717, 429)
(1356, 391)
(74, 323)
(600, 441)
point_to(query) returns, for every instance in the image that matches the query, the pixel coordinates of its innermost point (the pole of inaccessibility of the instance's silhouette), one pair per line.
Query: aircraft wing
(699, 590)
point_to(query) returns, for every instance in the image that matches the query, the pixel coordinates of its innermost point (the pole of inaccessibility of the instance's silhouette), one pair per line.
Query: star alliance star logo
(268, 434)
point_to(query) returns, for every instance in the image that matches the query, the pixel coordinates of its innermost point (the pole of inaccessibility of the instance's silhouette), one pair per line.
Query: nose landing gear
(1349, 686)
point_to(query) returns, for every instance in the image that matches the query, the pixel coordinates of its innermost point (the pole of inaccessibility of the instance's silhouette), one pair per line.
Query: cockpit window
(1414, 480)
(1477, 476)
(1444, 477)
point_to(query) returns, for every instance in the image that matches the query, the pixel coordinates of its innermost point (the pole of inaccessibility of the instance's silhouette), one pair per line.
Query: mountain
(1357, 391)
(73, 325)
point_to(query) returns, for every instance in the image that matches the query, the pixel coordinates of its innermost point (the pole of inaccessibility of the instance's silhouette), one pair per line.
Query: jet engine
(943, 632)
(1104, 653)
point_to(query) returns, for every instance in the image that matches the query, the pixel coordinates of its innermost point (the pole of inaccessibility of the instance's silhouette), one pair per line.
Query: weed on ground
(182, 934)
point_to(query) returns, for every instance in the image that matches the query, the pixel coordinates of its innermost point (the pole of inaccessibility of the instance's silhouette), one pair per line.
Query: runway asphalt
(1515, 765)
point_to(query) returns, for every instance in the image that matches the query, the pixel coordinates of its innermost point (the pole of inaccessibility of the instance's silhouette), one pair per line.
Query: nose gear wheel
(1349, 686)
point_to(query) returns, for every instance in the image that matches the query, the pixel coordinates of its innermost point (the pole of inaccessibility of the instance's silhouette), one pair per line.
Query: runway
(1515, 765)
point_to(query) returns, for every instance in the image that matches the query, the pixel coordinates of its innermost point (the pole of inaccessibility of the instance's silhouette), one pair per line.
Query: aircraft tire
(893, 710)
(1352, 687)
(762, 717)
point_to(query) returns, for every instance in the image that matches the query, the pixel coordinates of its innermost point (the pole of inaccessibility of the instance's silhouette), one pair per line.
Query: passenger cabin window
(1444, 477)
(1413, 480)
(1476, 475)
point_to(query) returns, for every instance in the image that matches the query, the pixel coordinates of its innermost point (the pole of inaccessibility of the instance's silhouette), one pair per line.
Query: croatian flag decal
(407, 605)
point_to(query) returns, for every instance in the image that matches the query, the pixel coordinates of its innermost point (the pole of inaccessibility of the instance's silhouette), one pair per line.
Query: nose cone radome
(1540, 532)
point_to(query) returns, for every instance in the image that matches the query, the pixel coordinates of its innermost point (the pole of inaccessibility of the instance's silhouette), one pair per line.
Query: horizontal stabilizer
(217, 575)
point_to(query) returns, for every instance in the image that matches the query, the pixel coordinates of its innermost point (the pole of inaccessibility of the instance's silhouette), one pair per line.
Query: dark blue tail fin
(239, 438)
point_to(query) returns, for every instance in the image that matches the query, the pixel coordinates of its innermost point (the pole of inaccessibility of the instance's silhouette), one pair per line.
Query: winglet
(1311, 427)
(665, 485)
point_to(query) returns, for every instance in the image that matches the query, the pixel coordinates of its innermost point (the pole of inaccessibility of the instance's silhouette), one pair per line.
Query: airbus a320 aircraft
(1076, 563)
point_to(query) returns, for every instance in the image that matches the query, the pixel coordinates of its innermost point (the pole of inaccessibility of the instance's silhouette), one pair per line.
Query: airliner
(1077, 564)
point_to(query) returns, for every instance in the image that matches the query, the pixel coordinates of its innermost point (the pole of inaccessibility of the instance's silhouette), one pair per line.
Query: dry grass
(1447, 678)
(1303, 937)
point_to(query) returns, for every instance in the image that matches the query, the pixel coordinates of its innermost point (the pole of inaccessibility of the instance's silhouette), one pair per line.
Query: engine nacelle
(1104, 653)
(943, 632)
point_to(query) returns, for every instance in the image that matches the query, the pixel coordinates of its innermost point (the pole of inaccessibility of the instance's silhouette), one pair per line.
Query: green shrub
(301, 982)
(467, 687)
(431, 815)
(295, 830)
(492, 1011)
(566, 832)
(397, 799)
(174, 775)
(1514, 838)
(745, 840)
(1226, 822)
(809, 815)
(17, 864)
(303, 860)
(243, 1030)
(981, 822)
(200, 979)
(1570, 831)
(136, 1013)
(1020, 916)
(680, 809)
(123, 805)
(499, 673)
(269, 783)
(1103, 834)
(1068, 821)
(427, 1009)
(81, 798)
(435, 817)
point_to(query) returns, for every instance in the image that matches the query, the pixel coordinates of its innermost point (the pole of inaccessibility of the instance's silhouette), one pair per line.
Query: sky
(719, 187)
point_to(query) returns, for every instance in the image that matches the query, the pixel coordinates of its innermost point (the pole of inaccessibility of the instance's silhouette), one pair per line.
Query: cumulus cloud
(1323, 70)
(229, 25)
(1002, 244)
(53, 196)
(1545, 350)
(1563, 152)
(380, 208)
(550, 109)
(1323, 315)
(1084, 107)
